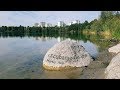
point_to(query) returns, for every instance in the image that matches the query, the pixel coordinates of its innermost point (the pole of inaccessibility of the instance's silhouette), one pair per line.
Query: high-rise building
(61, 24)
(75, 22)
(36, 24)
(70, 23)
(48, 25)
(42, 24)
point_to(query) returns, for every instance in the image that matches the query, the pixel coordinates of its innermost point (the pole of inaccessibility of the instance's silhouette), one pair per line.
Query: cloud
(30, 17)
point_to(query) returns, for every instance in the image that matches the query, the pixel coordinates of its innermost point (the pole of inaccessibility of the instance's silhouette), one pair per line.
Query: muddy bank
(97, 68)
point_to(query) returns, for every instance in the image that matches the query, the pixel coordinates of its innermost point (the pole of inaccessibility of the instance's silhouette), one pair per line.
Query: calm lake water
(21, 58)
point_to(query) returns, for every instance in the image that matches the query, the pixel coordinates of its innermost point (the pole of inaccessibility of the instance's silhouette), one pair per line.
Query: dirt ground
(96, 68)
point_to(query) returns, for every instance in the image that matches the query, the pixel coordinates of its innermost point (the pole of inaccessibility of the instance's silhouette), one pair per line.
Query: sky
(28, 18)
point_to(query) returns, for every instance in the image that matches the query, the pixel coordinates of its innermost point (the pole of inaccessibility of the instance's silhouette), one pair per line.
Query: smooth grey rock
(66, 54)
(113, 69)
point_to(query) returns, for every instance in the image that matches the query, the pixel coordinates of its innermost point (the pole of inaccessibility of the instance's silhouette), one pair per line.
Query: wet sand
(95, 70)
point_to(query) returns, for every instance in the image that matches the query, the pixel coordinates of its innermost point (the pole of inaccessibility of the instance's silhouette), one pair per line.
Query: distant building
(48, 25)
(42, 24)
(70, 23)
(36, 24)
(61, 24)
(75, 22)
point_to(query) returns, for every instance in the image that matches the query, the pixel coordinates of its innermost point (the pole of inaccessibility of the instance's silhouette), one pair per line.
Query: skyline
(29, 18)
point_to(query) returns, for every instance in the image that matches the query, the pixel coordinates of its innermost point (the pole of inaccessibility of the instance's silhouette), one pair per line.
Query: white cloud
(30, 17)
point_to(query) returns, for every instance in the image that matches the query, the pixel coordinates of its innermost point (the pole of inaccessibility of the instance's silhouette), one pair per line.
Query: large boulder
(115, 49)
(113, 69)
(66, 54)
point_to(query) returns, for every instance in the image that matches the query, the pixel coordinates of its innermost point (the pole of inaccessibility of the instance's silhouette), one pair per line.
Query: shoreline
(96, 68)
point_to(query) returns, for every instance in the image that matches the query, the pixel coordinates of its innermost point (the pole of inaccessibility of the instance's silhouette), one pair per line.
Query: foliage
(107, 24)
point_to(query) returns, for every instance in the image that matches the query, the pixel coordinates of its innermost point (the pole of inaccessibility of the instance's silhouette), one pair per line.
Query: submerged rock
(113, 69)
(66, 54)
(115, 49)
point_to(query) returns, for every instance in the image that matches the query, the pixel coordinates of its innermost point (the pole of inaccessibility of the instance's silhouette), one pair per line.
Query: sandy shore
(95, 70)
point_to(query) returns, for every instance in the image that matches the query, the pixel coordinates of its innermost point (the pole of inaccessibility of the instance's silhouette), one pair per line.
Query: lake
(21, 57)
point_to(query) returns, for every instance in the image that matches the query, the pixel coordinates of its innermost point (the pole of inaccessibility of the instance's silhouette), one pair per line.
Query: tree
(106, 15)
(117, 14)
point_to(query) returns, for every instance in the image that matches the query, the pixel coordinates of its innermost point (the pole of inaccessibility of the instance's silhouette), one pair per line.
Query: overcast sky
(28, 18)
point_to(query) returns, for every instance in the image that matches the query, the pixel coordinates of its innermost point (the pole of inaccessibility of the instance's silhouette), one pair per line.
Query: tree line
(108, 23)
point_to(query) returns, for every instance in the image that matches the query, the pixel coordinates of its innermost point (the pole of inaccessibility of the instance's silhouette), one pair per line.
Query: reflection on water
(22, 57)
(91, 48)
(67, 74)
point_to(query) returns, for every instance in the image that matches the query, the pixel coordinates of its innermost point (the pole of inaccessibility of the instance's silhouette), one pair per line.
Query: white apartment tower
(75, 22)
(42, 24)
(48, 25)
(36, 24)
(60, 24)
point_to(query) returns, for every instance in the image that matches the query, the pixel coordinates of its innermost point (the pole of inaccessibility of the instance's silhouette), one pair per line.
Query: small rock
(115, 49)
